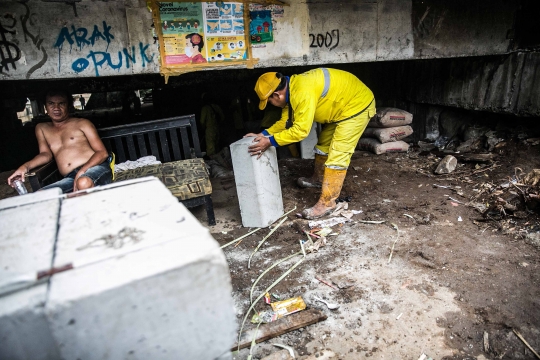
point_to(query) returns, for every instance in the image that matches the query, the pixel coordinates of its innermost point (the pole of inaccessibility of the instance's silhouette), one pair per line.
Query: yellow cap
(265, 86)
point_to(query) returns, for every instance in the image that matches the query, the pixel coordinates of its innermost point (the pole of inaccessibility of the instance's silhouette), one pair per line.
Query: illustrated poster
(260, 27)
(182, 27)
(225, 31)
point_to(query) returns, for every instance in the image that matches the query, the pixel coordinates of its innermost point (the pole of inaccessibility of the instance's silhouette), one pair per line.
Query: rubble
(447, 165)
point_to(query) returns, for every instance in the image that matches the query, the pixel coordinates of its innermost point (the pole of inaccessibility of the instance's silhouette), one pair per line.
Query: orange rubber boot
(315, 181)
(331, 187)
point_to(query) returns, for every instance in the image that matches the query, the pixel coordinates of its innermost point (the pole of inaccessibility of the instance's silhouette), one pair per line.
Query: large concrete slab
(142, 279)
(257, 184)
(149, 281)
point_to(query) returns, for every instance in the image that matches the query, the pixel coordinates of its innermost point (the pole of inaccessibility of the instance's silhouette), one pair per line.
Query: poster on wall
(225, 34)
(183, 33)
(202, 32)
(260, 26)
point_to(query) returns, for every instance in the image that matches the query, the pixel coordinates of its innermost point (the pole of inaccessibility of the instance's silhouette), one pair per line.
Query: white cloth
(144, 161)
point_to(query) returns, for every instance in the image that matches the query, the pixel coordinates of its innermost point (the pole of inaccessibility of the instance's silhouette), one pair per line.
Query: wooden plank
(142, 145)
(279, 327)
(164, 146)
(175, 145)
(185, 143)
(153, 145)
(131, 148)
(120, 154)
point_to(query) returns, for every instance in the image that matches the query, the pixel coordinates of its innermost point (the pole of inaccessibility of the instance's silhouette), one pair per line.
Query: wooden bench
(174, 141)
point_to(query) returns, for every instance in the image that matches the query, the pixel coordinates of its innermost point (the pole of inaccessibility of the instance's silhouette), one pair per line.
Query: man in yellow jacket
(334, 98)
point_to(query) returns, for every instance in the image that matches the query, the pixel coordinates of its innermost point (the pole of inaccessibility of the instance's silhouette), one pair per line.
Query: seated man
(75, 145)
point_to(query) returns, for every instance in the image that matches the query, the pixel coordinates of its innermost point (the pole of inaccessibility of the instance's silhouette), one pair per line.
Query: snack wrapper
(289, 306)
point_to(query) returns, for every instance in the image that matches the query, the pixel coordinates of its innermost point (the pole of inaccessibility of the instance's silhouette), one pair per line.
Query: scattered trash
(486, 342)
(371, 222)
(348, 214)
(447, 165)
(340, 207)
(311, 246)
(288, 348)
(253, 303)
(394, 244)
(397, 318)
(279, 310)
(324, 231)
(409, 216)
(264, 317)
(328, 305)
(326, 283)
(424, 357)
(459, 218)
(327, 222)
(288, 306)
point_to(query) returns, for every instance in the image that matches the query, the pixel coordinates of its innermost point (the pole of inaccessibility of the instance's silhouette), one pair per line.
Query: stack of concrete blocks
(257, 184)
(146, 281)
(307, 146)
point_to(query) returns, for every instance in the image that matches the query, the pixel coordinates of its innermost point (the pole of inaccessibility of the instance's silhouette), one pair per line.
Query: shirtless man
(73, 143)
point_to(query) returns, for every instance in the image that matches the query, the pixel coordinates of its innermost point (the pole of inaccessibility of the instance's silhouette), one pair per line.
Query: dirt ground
(458, 282)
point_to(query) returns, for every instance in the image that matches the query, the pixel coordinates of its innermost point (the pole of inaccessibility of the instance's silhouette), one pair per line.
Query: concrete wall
(63, 39)
(44, 40)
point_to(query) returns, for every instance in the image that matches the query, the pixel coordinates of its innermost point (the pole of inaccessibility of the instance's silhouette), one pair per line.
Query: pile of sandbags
(385, 131)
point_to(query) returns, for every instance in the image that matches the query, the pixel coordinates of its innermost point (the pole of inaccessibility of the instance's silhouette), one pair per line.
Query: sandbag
(385, 135)
(390, 117)
(376, 147)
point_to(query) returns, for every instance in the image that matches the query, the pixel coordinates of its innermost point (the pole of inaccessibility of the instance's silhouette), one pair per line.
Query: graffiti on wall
(26, 44)
(330, 40)
(10, 51)
(83, 37)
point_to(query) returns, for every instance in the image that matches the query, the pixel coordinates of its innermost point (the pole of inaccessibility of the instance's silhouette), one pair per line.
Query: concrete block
(149, 281)
(145, 279)
(29, 226)
(257, 185)
(30, 198)
(308, 144)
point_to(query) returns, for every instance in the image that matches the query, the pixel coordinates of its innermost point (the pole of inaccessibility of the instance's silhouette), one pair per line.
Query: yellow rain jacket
(328, 96)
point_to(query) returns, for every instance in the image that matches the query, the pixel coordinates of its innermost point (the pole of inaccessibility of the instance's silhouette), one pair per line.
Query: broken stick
(525, 342)
(281, 326)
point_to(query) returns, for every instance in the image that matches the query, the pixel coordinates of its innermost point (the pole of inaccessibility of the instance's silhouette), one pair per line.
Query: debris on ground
(447, 165)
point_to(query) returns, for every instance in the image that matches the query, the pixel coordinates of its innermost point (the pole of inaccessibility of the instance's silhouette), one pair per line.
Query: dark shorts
(100, 175)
